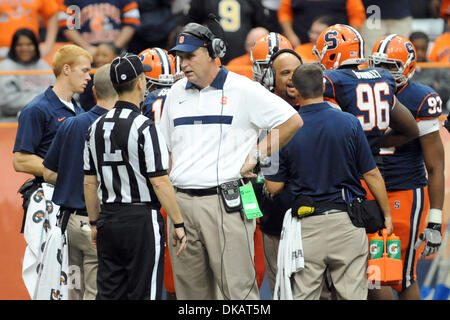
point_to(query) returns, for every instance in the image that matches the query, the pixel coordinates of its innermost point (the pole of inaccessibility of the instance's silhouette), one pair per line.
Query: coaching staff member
(278, 76)
(63, 167)
(329, 237)
(210, 121)
(40, 119)
(125, 163)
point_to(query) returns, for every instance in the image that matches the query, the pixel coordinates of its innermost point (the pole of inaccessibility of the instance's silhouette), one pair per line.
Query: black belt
(198, 192)
(77, 212)
(325, 207)
(113, 206)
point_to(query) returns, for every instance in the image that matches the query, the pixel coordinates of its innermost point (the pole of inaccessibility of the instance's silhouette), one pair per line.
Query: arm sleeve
(30, 130)
(285, 11)
(428, 126)
(430, 107)
(155, 150)
(130, 14)
(265, 109)
(89, 165)
(356, 13)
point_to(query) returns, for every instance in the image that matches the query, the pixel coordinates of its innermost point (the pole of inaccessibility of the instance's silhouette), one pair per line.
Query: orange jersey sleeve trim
(356, 13)
(132, 21)
(285, 11)
(426, 118)
(130, 6)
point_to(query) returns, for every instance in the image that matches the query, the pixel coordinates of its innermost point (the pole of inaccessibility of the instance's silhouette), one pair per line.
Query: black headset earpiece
(216, 46)
(268, 79)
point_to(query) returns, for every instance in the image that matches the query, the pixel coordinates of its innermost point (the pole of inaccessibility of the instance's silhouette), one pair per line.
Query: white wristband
(435, 216)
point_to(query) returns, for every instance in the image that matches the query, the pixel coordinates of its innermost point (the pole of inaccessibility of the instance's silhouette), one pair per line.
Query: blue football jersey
(154, 103)
(368, 94)
(403, 166)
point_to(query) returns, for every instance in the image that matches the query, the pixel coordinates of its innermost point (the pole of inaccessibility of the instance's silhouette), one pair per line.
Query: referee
(126, 182)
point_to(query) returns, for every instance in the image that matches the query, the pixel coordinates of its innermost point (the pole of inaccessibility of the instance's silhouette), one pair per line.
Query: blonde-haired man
(64, 168)
(41, 118)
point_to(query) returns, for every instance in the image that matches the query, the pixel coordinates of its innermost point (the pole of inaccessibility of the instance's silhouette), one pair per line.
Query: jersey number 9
(230, 15)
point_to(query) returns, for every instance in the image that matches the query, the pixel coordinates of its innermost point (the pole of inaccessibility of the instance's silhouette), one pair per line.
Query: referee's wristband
(179, 225)
(93, 223)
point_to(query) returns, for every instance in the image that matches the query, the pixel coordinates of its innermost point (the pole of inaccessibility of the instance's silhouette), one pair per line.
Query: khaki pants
(82, 260)
(218, 261)
(332, 240)
(270, 245)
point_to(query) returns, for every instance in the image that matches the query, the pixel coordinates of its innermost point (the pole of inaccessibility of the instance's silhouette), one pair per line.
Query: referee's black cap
(127, 67)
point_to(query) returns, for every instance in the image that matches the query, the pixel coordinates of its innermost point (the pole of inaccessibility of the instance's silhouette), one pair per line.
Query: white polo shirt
(209, 141)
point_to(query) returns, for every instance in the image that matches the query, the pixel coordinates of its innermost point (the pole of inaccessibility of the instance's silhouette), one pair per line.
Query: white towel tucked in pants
(290, 256)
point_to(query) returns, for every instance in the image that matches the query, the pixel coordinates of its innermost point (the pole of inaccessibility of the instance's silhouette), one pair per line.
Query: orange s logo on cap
(181, 39)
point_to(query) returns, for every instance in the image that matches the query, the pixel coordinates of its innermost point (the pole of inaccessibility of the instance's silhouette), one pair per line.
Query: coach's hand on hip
(248, 166)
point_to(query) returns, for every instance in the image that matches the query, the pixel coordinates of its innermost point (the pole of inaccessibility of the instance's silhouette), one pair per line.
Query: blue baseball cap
(187, 43)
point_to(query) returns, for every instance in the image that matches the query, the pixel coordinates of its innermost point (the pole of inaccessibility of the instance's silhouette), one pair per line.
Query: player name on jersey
(371, 74)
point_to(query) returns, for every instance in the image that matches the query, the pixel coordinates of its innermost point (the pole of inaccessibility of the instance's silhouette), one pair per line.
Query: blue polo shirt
(65, 157)
(39, 121)
(327, 154)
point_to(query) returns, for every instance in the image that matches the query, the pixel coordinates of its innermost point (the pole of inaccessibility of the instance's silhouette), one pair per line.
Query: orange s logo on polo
(223, 100)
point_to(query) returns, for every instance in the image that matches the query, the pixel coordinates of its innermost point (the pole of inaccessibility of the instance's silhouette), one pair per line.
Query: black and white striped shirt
(124, 149)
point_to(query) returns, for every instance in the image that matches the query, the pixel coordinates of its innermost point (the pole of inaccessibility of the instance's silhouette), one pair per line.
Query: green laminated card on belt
(249, 202)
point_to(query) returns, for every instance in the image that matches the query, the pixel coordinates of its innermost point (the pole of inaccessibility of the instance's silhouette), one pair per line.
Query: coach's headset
(216, 46)
(268, 79)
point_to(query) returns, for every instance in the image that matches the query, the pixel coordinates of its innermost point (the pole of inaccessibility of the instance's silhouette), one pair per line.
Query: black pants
(130, 248)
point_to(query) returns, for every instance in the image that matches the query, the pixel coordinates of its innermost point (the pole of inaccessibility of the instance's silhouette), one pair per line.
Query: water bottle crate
(386, 269)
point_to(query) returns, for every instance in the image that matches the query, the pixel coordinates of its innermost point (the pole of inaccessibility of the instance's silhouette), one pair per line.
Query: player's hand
(179, 234)
(432, 237)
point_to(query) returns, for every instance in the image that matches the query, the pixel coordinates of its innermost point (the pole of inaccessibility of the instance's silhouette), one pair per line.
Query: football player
(368, 93)
(411, 194)
(159, 80)
(263, 49)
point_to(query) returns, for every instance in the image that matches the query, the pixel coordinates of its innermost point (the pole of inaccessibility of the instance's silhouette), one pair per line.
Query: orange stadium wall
(13, 243)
